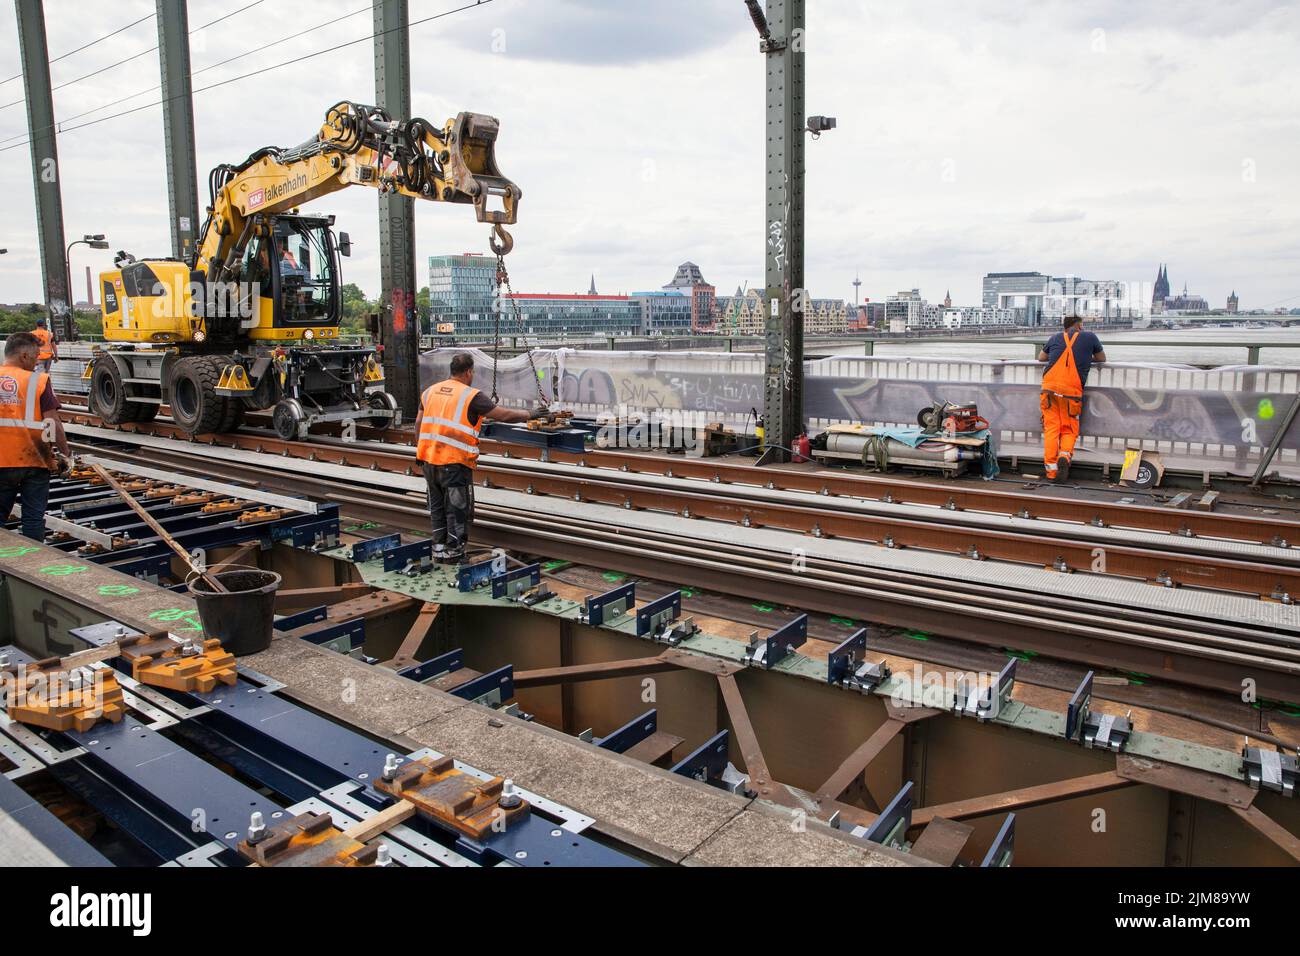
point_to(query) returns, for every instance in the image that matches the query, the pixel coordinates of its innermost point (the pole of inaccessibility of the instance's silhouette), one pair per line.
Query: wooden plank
(1263, 824)
(384, 820)
(942, 841)
(1023, 798)
(601, 670)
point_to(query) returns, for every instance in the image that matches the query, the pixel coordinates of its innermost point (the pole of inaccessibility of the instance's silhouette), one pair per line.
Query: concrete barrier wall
(1224, 417)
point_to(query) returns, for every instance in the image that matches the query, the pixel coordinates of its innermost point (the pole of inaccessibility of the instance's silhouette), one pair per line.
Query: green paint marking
(1019, 654)
(173, 615)
(842, 621)
(116, 590)
(764, 608)
(17, 551)
(368, 526)
(688, 593)
(917, 636)
(613, 577)
(1266, 410)
(556, 565)
(1138, 674)
(62, 570)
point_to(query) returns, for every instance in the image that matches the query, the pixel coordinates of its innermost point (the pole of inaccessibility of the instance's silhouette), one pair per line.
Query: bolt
(256, 828)
(391, 764)
(509, 798)
(384, 857)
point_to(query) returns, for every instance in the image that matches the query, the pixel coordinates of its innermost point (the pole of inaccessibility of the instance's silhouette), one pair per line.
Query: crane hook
(507, 242)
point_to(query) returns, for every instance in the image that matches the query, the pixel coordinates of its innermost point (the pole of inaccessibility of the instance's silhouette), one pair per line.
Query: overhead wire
(266, 69)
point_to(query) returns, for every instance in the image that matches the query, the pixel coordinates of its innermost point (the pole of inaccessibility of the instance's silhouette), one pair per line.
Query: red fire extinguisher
(802, 449)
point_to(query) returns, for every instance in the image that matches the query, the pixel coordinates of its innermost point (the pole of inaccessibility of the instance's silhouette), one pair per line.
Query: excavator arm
(359, 145)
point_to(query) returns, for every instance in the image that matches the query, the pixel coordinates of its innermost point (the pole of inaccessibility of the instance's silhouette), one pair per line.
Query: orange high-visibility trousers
(1060, 427)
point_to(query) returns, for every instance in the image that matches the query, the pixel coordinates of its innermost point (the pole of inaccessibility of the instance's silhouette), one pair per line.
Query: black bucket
(244, 618)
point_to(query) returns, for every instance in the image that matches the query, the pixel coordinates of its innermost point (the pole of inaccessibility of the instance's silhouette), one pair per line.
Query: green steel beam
(45, 163)
(399, 322)
(178, 124)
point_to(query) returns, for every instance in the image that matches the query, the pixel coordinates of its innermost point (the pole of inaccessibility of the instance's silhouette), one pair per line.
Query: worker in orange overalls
(452, 412)
(29, 424)
(49, 349)
(1069, 355)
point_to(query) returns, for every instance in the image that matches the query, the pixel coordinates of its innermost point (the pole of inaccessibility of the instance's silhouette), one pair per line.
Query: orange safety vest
(447, 436)
(1063, 377)
(21, 424)
(45, 338)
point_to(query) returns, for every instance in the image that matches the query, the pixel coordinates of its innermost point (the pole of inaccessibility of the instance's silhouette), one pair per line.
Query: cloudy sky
(1095, 138)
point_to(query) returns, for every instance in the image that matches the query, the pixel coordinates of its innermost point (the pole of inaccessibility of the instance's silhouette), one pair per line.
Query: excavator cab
(292, 276)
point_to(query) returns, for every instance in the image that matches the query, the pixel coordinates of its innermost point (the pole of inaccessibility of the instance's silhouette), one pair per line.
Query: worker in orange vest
(451, 414)
(49, 349)
(1069, 355)
(29, 424)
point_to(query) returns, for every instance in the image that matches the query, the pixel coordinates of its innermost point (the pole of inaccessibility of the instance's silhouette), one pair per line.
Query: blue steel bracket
(435, 667)
(291, 622)
(769, 651)
(842, 665)
(410, 559)
(321, 536)
(471, 576)
(707, 762)
(493, 690)
(609, 608)
(1004, 844)
(366, 550)
(630, 734)
(572, 440)
(985, 703)
(348, 637)
(1094, 730)
(890, 828)
(511, 584)
(655, 618)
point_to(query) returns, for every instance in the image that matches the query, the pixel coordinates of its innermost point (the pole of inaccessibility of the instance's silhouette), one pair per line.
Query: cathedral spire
(592, 290)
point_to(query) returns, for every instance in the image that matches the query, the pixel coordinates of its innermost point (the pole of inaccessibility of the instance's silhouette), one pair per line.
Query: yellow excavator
(252, 321)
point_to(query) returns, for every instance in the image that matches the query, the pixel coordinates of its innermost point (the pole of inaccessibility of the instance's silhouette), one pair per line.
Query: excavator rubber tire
(196, 407)
(108, 394)
(233, 416)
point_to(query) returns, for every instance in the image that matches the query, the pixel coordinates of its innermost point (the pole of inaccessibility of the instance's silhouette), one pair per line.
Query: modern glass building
(461, 292)
(666, 311)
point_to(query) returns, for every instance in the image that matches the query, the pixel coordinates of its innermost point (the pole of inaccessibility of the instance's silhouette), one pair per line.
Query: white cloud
(1096, 139)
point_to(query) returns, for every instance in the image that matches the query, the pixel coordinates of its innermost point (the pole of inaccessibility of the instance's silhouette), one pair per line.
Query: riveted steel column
(45, 163)
(399, 321)
(783, 235)
(178, 124)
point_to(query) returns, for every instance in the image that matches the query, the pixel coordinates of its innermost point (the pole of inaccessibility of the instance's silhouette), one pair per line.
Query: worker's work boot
(1063, 468)
(1049, 472)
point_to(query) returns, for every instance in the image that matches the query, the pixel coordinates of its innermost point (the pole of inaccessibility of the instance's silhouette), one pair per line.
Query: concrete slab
(651, 808)
(349, 690)
(767, 836)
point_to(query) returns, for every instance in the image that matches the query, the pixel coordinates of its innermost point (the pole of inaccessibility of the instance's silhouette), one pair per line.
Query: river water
(1203, 347)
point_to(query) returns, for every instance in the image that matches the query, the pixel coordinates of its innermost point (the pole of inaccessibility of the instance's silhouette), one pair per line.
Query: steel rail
(1095, 640)
(965, 497)
(1187, 564)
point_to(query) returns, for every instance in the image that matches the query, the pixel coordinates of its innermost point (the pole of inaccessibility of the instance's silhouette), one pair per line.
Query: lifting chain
(503, 283)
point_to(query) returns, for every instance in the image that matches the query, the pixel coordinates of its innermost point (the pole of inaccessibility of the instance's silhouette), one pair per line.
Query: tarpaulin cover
(1228, 413)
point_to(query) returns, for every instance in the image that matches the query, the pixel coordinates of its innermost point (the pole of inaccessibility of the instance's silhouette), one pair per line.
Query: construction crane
(252, 322)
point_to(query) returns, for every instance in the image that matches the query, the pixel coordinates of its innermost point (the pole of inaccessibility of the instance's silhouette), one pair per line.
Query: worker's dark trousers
(451, 505)
(32, 487)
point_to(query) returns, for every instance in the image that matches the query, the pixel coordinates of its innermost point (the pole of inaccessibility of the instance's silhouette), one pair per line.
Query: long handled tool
(148, 519)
